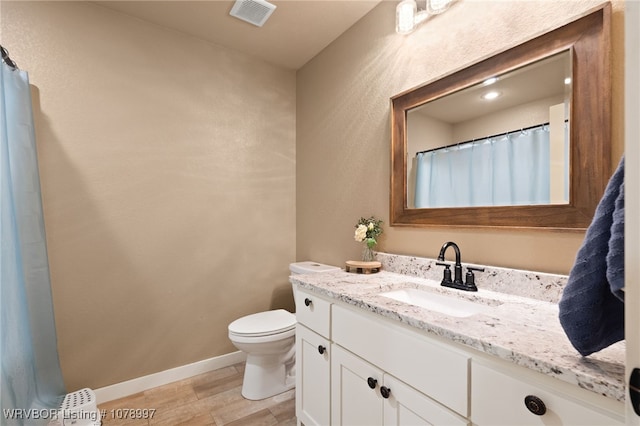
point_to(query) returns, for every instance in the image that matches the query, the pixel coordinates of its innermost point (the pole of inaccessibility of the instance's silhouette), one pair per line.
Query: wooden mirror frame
(588, 40)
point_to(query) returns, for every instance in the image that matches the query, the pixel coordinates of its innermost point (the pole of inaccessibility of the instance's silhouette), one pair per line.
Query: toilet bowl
(268, 339)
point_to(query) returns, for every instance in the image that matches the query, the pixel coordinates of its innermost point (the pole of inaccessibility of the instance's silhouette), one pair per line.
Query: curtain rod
(487, 137)
(6, 59)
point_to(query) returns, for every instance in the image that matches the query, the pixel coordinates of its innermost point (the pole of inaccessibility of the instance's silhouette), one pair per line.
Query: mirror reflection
(502, 142)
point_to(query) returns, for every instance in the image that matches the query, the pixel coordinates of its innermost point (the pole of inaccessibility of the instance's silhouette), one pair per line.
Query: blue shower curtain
(31, 378)
(512, 169)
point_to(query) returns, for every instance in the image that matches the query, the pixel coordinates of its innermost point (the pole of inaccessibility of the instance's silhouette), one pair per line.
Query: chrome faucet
(469, 283)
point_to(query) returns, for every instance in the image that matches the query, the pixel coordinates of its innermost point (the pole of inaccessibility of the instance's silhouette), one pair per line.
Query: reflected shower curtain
(31, 377)
(508, 170)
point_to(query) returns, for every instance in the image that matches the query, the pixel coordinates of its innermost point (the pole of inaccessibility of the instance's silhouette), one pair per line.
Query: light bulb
(437, 6)
(405, 16)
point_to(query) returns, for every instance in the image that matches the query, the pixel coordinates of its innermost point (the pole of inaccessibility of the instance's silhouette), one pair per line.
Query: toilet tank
(310, 267)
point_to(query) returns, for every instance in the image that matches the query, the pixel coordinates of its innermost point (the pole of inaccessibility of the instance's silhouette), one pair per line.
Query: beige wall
(343, 132)
(526, 115)
(168, 178)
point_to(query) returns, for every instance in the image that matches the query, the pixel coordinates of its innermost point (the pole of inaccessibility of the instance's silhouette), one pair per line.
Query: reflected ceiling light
(408, 16)
(490, 95)
(489, 81)
(567, 80)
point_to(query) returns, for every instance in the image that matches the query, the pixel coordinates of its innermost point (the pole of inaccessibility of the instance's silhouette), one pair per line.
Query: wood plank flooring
(208, 399)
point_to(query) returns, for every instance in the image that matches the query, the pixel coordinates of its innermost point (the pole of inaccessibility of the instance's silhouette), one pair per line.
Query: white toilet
(268, 339)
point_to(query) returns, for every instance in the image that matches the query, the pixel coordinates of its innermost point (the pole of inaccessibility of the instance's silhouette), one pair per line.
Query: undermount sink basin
(447, 305)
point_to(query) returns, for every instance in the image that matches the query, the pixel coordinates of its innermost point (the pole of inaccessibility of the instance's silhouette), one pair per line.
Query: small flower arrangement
(367, 231)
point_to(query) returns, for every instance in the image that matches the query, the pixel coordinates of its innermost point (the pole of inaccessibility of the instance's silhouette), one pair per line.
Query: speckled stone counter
(520, 326)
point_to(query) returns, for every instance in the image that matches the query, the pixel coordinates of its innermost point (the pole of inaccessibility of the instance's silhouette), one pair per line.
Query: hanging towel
(615, 257)
(592, 304)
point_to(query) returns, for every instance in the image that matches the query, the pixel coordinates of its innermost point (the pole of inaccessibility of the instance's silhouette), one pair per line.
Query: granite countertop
(518, 329)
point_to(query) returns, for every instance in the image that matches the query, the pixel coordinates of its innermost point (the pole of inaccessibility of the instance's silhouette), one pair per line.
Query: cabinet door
(355, 390)
(312, 378)
(406, 406)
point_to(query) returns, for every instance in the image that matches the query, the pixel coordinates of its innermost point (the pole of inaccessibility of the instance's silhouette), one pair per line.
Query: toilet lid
(264, 323)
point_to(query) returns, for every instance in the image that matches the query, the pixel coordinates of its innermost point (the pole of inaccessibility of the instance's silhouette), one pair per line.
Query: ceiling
(295, 32)
(539, 80)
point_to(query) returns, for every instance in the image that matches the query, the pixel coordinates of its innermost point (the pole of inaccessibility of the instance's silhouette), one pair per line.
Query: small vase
(368, 255)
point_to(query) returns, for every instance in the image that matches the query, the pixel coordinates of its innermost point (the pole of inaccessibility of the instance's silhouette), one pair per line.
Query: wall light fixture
(409, 15)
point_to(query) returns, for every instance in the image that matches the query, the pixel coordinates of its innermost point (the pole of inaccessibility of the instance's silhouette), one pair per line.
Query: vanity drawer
(313, 311)
(498, 398)
(437, 371)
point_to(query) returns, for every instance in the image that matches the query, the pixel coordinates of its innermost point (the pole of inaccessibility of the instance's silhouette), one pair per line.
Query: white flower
(361, 233)
(371, 225)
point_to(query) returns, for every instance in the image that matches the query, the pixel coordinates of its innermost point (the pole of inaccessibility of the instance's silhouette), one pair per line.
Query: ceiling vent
(255, 12)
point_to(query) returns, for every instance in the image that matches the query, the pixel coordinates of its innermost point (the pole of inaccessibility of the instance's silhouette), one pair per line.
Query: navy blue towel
(592, 304)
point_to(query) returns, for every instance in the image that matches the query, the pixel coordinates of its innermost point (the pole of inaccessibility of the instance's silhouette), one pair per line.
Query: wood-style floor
(208, 399)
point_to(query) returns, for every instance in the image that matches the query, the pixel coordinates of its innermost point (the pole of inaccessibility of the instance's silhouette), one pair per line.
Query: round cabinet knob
(372, 382)
(385, 392)
(535, 405)
(321, 349)
(307, 301)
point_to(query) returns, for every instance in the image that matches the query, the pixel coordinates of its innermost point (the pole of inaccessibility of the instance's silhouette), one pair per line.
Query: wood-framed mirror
(584, 46)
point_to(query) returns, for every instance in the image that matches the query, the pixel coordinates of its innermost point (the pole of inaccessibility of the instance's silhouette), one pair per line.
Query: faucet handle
(446, 279)
(470, 279)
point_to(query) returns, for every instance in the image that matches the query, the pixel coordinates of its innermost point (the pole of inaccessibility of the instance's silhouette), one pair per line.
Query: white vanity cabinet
(313, 349)
(356, 367)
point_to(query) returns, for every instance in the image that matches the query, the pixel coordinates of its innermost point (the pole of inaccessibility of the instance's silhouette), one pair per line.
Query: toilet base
(266, 376)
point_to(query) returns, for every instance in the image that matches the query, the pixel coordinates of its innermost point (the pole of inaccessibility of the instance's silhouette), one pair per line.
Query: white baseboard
(120, 390)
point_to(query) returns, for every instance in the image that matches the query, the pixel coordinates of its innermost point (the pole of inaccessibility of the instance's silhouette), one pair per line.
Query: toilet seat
(263, 324)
